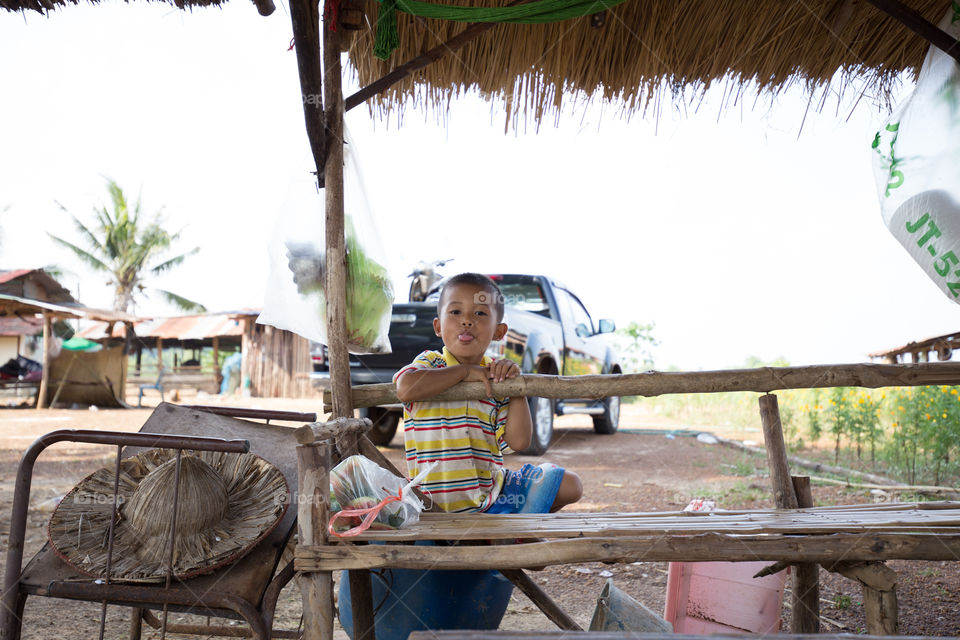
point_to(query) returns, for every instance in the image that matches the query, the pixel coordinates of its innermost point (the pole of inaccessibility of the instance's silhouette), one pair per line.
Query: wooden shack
(31, 298)
(191, 350)
(924, 350)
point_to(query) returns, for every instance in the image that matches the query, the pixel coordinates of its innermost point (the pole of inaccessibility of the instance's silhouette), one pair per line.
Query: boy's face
(468, 322)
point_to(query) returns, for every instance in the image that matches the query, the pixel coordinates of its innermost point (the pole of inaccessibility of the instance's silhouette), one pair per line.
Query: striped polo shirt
(465, 437)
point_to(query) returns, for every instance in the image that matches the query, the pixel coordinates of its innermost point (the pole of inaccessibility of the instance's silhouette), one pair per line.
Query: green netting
(539, 12)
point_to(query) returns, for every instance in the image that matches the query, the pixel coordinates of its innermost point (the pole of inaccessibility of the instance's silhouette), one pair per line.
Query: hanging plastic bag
(295, 298)
(364, 495)
(917, 167)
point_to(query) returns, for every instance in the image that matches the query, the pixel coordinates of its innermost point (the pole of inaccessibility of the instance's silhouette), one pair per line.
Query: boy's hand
(503, 369)
(478, 373)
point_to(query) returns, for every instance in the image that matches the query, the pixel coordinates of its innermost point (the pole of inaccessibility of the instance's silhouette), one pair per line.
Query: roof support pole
(305, 18)
(419, 62)
(336, 291)
(336, 256)
(920, 26)
(46, 360)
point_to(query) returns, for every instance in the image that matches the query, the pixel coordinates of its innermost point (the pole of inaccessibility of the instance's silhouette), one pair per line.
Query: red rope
(331, 13)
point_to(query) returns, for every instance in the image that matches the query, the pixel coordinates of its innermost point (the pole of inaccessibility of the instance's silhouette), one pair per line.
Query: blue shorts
(532, 489)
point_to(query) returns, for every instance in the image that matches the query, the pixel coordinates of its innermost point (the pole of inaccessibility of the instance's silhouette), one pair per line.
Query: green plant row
(911, 434)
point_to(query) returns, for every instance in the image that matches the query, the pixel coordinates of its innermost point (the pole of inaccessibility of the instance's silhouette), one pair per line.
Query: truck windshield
(526, 296)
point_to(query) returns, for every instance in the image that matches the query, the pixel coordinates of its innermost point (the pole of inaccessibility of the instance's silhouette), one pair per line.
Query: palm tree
(124, 245)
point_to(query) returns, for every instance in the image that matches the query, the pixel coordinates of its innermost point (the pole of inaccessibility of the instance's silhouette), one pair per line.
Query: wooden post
(361, 589)
(246, 352)
(806, 575)
(313, 514)
(783, 495)
(216, 362)
(784, 498)
(159, 354)
(46, 361)
(336, 256)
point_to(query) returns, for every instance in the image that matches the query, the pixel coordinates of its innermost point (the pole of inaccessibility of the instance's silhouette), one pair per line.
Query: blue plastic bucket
(406, 600)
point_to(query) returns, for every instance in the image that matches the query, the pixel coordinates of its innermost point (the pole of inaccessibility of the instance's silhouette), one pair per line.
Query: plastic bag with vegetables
(364, 495)
(295, 298)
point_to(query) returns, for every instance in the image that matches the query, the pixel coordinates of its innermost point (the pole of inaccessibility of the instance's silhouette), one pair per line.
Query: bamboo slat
(931, 517)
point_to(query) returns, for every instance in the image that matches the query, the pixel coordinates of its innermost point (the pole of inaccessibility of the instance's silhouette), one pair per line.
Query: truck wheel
(385, 424)
(541, 417)
(609, 420)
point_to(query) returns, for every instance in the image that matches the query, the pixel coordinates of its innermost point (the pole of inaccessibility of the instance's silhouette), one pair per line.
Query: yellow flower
(928, 416)
(954, 391)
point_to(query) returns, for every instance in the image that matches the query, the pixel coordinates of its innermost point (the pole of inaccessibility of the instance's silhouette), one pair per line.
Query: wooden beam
(708, 547)
(399, 73)
(46, 361)
(655, 383)
(914, 21)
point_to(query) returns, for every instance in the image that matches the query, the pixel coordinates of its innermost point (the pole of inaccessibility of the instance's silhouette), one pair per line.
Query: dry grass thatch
(265, 7)
(227, 503)
(648, 51)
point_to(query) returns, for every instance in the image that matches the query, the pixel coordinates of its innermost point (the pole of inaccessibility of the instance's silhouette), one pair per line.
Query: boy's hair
(477, 280)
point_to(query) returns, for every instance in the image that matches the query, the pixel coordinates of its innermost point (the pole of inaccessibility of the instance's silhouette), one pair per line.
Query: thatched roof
(646, 50)
(265, 7)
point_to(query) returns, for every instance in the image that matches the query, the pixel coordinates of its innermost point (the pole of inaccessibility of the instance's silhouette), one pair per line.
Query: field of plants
(909, 434)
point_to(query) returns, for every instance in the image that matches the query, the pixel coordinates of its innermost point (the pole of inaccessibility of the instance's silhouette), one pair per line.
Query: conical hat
(227, 503)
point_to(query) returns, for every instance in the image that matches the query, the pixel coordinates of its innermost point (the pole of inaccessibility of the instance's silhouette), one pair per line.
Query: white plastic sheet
(917, 167)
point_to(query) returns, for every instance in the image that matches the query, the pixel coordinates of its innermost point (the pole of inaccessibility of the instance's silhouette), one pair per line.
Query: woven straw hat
(227, 503)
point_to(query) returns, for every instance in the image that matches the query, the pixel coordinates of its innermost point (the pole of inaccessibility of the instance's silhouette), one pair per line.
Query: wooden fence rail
(655, 383)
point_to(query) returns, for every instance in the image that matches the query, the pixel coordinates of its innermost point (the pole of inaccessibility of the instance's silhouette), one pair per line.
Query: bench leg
(879, 593)
(880, 608)
(533, 591)
(135, 623)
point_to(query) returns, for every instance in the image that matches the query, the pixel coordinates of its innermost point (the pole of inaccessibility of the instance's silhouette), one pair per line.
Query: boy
(468, 437)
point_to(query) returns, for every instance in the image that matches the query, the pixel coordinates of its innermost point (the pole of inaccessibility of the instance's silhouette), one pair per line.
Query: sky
(753, 230)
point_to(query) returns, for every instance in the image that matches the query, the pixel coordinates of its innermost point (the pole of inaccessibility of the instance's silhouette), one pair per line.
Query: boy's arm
(519, 428)
(423, 384)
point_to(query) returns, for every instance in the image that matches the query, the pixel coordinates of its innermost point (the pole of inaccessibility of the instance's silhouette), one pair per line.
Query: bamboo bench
(853, 540)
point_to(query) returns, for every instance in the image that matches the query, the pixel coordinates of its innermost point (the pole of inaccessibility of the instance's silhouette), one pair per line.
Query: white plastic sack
(295, 298)
(917, 167)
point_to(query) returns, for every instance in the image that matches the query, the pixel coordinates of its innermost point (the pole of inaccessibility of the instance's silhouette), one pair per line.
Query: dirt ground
(641, 468)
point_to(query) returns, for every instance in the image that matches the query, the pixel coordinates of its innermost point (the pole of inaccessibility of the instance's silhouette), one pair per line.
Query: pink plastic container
(720, 597)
